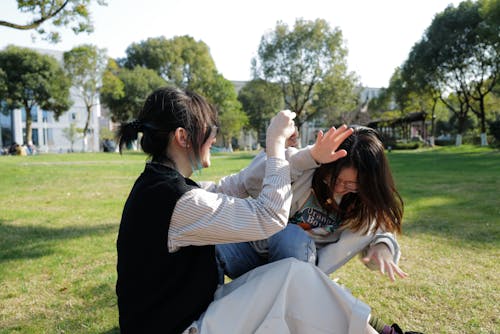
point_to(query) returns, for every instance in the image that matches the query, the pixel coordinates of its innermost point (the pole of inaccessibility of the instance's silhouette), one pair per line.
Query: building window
(34, 136)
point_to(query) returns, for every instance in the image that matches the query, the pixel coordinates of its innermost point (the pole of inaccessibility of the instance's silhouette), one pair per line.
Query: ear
(181, 137)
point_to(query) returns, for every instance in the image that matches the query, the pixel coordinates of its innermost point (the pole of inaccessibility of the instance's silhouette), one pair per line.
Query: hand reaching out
(380, 255)
(325, 148)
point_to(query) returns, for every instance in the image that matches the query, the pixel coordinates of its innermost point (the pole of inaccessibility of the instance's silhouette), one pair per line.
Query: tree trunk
(84, 142)
(86, 128)
(484, 139)
(28, 140)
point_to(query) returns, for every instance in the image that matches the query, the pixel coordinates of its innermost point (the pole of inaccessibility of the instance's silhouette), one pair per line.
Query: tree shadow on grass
(29, 242)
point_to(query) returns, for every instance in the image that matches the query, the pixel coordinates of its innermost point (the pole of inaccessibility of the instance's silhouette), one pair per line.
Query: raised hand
(325, 148)
(281, 127)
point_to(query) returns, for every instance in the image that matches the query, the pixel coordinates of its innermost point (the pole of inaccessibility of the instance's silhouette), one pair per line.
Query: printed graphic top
(322, 227)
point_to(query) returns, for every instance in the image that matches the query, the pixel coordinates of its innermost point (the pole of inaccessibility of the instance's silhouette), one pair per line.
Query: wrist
(276, 147)
(314, 155)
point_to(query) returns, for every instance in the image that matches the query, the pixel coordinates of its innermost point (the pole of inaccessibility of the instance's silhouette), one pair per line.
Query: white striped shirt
(204, 217)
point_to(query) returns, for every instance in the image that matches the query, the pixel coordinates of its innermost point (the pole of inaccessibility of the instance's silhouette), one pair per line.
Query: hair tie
(137, 125)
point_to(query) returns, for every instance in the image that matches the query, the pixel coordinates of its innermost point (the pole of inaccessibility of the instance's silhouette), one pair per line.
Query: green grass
(59, 217)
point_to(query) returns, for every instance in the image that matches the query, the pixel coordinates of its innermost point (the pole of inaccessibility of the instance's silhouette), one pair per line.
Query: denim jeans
(236, 259)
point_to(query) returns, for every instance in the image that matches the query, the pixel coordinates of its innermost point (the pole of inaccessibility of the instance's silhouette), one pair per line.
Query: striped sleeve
(201, 217)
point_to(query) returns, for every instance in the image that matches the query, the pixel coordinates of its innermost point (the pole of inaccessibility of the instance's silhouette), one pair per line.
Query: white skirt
(287, 296)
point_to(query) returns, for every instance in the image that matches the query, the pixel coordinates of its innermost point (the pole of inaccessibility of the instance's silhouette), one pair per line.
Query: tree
(187, 64)
(181, 61)
(261, 100)
(298, 60)
(412, 94)
(33, 79)
(85, 66)
(71, 134)
(124, 91)
(460, 54)
(61, 13)
(335, 98)
(220, 92)
(457, 105)
(419, 86)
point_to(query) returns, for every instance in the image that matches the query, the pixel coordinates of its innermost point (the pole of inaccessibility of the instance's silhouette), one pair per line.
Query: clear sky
(379, 34)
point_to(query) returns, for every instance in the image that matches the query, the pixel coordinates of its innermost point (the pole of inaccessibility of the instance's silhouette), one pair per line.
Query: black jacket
(158, 291)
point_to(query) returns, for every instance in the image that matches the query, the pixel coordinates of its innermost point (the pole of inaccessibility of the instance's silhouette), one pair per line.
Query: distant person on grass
(340, 209)
(167, 271)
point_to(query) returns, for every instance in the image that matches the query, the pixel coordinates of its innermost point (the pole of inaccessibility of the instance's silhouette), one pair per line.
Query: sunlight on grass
(59, 219)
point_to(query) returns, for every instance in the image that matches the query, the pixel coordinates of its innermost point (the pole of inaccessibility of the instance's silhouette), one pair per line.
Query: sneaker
(395, 329)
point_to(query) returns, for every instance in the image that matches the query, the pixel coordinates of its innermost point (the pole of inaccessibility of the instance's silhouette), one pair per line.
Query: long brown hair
(377, 199)
(165, 110)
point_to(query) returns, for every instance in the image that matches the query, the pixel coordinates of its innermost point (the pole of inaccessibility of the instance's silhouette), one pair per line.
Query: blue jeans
(236, 259)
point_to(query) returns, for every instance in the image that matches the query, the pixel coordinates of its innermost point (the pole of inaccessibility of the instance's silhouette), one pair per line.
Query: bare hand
(325, 148)
(381, 255)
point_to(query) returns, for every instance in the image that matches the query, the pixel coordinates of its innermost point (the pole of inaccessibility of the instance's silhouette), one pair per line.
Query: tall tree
(186, 63)
(124, 91)
(335, 98)
(221, 93)
(460, 52)
(32, 80)
(457, 105)
(181, 61)
(60, 13)
(298, 60)
(85, 65)
(420, 86)
(261, 100)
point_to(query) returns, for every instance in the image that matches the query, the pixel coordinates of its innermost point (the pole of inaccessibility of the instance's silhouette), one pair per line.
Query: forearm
(204, 218)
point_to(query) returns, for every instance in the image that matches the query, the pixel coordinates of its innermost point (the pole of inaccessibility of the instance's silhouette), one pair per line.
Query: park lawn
(59, 217)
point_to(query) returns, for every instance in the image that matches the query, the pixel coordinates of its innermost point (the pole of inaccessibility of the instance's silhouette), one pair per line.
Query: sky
(378, 34)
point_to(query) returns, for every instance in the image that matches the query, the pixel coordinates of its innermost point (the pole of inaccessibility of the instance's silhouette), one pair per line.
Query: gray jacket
(332, 256)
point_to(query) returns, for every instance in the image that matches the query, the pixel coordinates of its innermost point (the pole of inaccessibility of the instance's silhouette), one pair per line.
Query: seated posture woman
(339, 209)
(167, 270)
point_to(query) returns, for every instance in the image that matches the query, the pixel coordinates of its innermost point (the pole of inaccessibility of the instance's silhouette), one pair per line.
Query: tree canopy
(459, 55)
(125, 90)
(60, 13)
(300, 58)
(32, 79)
(186, 63)
(85, 65)
(261, 100)
(181, 61)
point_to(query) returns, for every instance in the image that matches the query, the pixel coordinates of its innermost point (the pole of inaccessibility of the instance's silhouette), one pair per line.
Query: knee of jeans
(303, 250)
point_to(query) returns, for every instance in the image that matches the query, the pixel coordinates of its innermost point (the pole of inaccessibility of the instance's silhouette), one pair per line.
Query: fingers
(319, 137)
(339, 154)
(326, 145)
(382, 257)
(398, 271)
(338, 135)
(390, 273)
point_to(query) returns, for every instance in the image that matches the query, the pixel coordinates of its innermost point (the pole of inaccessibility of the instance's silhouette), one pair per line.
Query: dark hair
(165, 110)
(376, 199)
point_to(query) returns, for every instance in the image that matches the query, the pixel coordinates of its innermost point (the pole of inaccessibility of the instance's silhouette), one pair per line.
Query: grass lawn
(59, 217)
